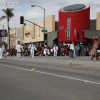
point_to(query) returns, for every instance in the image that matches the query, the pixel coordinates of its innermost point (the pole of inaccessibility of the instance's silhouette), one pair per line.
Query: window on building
(45, 36)
(68, 28)
(68, 23)
(74, 31)
(81, 37)
(78, 36)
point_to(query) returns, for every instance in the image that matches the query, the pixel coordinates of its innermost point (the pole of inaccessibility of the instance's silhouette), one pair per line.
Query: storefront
(72, 20)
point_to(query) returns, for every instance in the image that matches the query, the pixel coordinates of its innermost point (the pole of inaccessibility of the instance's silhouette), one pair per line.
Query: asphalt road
(24, 80)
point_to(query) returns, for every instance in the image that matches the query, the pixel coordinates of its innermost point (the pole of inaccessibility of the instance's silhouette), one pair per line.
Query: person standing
(1, 51)
(55, 49)
(32, 48)
(95, 48)
(45, 51)
(75, 51)
(18, 48)
(71, 52)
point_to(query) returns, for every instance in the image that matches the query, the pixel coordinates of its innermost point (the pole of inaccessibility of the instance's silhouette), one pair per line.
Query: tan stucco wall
(12, 38)
(98, 21)
(50, 23)
(35, 35)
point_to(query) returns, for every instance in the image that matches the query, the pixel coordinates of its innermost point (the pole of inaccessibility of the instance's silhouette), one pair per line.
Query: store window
(68, 28)
(45, 36)
(74, 31)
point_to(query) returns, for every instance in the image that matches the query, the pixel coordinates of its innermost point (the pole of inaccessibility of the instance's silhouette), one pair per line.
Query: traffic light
(21, 19)
(78, 36)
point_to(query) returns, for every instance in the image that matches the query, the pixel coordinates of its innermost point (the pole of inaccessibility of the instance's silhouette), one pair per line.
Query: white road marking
(85, 81)
(14, 67)
(82, 80)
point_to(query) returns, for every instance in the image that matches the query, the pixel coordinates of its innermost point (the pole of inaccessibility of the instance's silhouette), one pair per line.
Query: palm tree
(8, 15)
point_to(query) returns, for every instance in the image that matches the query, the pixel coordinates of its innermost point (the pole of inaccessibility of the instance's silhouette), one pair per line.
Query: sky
(34, 14)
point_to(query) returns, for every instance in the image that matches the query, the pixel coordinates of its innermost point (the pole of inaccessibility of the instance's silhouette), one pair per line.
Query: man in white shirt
(18, 48)
(45, 51)
(72, 48)
(3, 50)
(32, 48)
(55, 49)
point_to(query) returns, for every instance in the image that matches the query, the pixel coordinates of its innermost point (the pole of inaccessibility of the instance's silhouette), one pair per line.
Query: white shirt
(3, 47)
(45, 50)
(18, 47)
(55, 48)
(72, 46)
(32, 47)
(51, 50)
(48, 52)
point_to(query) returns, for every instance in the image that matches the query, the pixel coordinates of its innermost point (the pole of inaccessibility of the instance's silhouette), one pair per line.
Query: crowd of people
(31, 50)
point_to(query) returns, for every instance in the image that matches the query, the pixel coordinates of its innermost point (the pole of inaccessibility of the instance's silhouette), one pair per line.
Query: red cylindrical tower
(73, 19)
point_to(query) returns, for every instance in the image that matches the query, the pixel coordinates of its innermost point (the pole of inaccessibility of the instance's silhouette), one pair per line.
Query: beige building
(98, 21)
(33, 33)
(12, 38)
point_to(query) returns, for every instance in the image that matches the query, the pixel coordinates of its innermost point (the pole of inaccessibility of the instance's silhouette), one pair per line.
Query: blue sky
(51, 6)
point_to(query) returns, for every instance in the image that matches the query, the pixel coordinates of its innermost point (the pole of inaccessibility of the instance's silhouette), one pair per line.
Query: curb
(57, 63)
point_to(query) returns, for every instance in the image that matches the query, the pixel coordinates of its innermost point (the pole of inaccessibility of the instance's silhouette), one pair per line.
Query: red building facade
(73, 20)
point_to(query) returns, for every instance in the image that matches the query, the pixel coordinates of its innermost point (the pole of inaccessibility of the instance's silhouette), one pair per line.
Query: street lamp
(44, 13)
(3, 29)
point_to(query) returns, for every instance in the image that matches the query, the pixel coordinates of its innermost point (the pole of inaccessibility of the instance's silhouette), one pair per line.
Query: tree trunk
(8, 33)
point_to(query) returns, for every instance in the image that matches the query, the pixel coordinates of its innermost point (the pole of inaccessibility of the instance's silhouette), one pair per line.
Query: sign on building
(3, 33)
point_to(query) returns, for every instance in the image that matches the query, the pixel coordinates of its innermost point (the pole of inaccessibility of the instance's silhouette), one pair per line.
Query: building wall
(50, 37)
(0, 39)
(90, 33)
(12, 38)
(92, 24)
(32, 33)
(80, 20)
(98, 21)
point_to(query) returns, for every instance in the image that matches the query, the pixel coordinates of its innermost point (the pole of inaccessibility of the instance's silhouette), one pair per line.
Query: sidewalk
(82, 61)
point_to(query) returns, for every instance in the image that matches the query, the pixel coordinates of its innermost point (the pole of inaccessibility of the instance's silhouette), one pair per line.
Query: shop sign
(26, 34)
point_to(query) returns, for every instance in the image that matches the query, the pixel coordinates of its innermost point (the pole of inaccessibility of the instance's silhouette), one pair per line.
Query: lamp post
(3, 29)
(44, 13)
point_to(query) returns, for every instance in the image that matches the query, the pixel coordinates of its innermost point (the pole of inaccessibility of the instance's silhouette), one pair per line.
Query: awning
(91, 33)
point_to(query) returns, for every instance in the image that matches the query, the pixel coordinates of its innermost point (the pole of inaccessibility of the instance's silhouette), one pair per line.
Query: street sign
(43, 30)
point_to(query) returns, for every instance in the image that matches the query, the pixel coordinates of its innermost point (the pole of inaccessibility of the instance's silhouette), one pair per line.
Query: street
(27, 79)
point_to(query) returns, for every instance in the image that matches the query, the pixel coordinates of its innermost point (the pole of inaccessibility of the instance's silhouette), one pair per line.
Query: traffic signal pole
(34, 23)
(22, 21)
